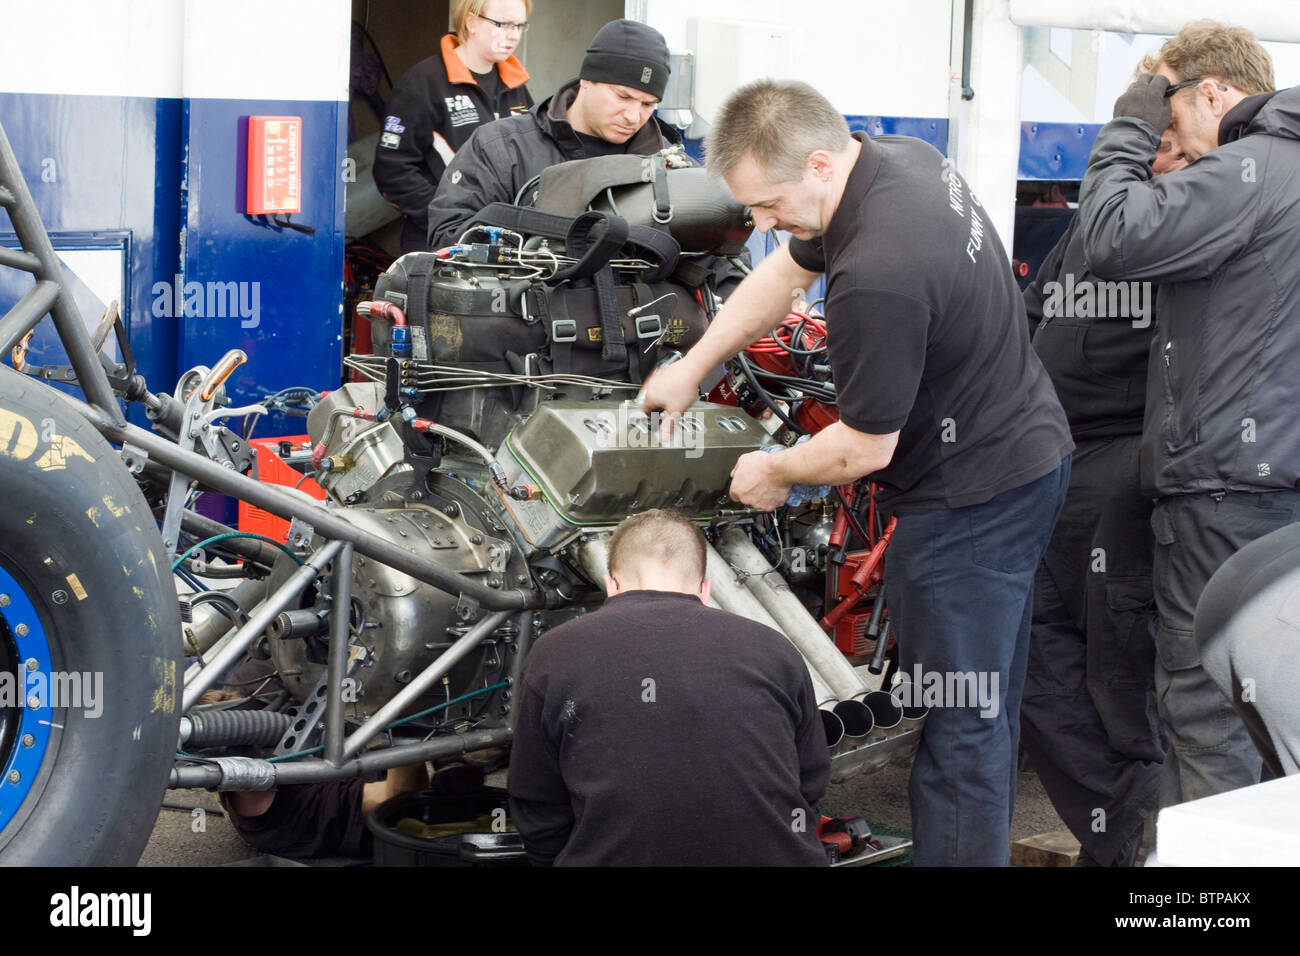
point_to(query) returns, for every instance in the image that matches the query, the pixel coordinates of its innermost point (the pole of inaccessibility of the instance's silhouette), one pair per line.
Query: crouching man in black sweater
(658, 731)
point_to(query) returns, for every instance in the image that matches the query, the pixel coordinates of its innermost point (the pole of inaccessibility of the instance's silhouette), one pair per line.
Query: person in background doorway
(608, 109)
(474, 79)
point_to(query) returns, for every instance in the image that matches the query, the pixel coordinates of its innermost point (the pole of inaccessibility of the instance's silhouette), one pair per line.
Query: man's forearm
(757, 305)
(1110, 213)
(834, 456)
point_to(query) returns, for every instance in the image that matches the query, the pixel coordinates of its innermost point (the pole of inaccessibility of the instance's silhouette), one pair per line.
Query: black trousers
(1195, 535)
(1088, 718)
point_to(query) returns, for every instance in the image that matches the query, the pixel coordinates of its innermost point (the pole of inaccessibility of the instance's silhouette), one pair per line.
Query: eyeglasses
(1186, 83)
(506, 26)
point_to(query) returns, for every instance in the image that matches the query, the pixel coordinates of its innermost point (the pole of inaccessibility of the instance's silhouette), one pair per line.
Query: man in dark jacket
(661, 732)
(608, 109)
(1088, 717)
(1221, 444)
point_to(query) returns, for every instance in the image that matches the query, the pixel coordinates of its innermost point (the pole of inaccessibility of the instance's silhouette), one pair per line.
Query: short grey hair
(780, 122)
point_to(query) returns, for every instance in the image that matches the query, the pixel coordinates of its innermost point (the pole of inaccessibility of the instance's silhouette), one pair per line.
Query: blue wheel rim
(27, 729)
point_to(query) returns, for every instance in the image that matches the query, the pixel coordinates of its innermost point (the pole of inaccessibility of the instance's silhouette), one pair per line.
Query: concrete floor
(880, 797)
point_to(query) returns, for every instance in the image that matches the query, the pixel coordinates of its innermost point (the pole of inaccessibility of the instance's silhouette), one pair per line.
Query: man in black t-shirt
(661, 732)
(941, 401)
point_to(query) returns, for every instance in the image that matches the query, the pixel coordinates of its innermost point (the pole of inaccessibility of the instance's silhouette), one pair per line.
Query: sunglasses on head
(1186, 83)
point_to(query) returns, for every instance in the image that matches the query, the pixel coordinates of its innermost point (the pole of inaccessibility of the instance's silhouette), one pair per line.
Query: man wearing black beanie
(608, 109)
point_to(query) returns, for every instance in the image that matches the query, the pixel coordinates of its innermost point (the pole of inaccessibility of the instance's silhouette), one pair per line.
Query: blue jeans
(960, 587)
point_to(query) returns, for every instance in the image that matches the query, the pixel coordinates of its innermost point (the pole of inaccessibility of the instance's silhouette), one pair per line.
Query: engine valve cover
(598, 462)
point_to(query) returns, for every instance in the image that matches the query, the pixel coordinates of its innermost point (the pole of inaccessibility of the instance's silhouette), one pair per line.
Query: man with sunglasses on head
(1221, 442)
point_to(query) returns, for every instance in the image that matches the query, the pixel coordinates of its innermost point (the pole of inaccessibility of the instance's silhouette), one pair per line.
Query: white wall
(109, 47)
(249, 49)
(883, 59)
(873, 57)
(267, 49)
(1268, 19)
(1118, 56)
(559, 33)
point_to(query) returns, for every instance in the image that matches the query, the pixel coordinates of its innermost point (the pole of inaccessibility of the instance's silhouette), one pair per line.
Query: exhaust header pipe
(774, 594)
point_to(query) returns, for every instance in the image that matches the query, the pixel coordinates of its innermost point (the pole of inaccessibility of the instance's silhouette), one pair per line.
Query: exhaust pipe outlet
(909, 728)
(834, 728)
(858, 723)
(852, 754)
(886, 710)
(888, 716)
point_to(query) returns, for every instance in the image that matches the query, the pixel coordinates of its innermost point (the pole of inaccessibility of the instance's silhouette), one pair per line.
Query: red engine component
(724, 393)
(799, 338)
(812, 417)
(853, 579)
(850, 627)
(773, 353)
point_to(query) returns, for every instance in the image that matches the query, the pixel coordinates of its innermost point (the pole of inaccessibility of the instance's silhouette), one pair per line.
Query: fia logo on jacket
(461, 110)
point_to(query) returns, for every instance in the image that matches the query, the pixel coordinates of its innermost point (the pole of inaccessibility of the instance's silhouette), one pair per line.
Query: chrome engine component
(363, 458)
(810, 534)
(403, 622)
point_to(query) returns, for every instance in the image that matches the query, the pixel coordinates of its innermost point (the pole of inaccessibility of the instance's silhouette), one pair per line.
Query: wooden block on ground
(1056, 848)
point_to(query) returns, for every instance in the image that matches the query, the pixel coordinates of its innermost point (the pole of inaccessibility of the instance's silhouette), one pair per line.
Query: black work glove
(1145, 100)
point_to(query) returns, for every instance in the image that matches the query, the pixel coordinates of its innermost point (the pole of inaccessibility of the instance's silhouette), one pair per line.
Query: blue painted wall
(166, 179)
(1055, 150)
(117, 173)
(933, 130)
(298, 336)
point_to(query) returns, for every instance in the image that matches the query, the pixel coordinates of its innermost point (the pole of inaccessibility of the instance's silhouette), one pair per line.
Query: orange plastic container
(272, 470)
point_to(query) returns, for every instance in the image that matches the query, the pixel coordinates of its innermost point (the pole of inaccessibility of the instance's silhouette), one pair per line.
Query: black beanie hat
(628, 53)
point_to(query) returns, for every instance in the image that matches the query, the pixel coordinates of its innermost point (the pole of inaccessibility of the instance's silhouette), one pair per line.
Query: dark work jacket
(1222, 239)
(1098, 363)
(661, 732)
(437, 96)
(500, 158)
